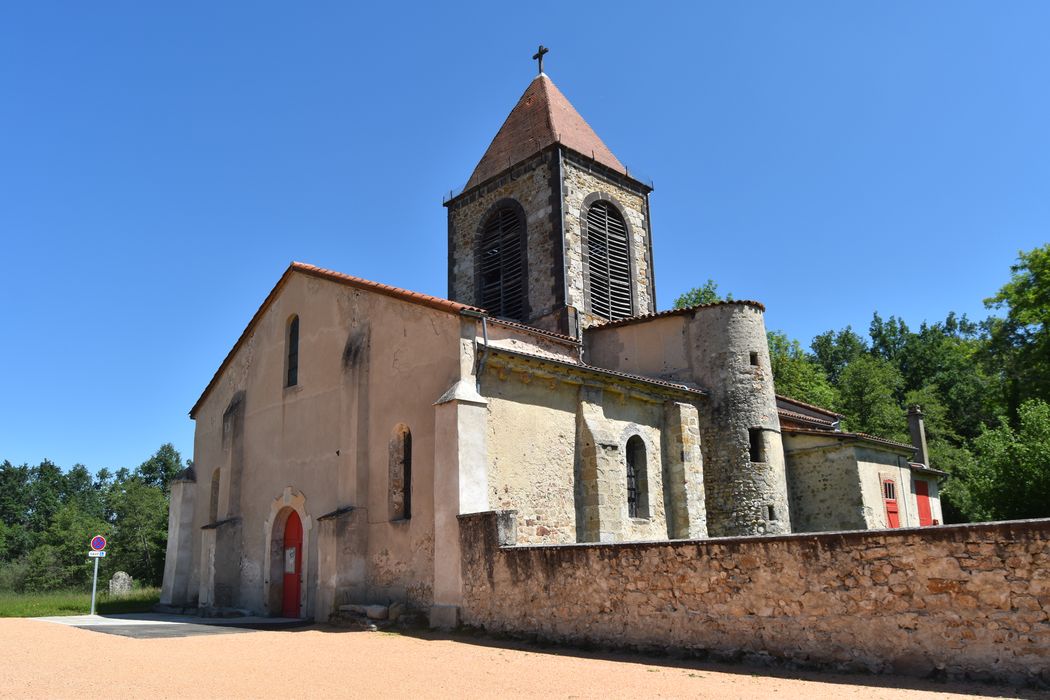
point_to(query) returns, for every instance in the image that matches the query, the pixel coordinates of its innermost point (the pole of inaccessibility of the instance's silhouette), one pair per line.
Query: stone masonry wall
(962, 601)
(823, 484)
(741, 494)
(578, 184)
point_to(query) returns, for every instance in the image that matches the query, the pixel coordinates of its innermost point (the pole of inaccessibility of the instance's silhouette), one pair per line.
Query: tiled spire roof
(542, 117)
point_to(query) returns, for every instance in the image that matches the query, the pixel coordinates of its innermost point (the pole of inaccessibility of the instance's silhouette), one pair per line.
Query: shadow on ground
(755, 665)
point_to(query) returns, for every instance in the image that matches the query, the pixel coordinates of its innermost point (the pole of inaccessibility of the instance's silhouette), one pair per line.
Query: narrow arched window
(213, 504)
(292, 344)
(608, 263)
(501, 264)
(401, 473)
(637, 479)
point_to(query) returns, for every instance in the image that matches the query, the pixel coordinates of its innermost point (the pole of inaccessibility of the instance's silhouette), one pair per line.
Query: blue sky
(161, 164)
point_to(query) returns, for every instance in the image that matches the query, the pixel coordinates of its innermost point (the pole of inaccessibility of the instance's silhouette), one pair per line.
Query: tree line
(48, 517)
(984, 387)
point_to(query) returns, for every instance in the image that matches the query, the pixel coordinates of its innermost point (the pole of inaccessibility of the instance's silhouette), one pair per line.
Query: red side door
(293, 565)
(889, 495)
(922, 500)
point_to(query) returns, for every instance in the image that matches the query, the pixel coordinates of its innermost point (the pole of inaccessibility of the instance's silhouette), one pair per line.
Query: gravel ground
(46, 660)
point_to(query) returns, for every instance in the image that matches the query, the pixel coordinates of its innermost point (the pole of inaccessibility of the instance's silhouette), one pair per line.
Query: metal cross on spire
(538, 56)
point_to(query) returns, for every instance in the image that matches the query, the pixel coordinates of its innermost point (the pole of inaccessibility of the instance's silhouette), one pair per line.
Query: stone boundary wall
(962, 601)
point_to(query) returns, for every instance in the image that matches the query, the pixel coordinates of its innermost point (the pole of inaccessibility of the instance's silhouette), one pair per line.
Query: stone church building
(352, 422)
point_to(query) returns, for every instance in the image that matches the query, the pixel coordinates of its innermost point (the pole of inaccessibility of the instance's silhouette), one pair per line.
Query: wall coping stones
(932, 533)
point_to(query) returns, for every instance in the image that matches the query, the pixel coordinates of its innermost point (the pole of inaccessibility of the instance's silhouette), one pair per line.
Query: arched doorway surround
(274, 564)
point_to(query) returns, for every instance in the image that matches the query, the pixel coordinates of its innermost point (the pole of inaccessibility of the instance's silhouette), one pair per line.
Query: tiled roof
(542, 117)
(680, 312)
(851, 436)
(662, 383)
(532, 329)
(386, 289)
(915, 466)
(803, 418)
(812, 407)
(339, 278)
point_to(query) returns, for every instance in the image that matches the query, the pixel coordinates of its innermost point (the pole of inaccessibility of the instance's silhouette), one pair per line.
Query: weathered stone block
(120, 584)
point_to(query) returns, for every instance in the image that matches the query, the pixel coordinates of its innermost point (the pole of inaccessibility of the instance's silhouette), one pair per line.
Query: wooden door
(889, 495)
(293, 565)
(922, 501)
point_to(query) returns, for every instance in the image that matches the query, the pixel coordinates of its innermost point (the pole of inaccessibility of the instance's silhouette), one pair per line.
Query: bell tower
(551, 229)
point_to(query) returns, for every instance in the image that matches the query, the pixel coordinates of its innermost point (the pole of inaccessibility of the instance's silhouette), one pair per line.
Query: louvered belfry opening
(501, 265)
(608, 263)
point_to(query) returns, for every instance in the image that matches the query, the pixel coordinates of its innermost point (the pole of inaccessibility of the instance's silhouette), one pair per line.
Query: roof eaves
(812, 407)
(437, 303)
(862, 437)
(590, 369)
(916, 467)
(802, 417)
(679, 312)
(533, 330)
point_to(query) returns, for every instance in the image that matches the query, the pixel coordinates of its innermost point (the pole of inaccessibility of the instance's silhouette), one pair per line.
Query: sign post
(98, 550)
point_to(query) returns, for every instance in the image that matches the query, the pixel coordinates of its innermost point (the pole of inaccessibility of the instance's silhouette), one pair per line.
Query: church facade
(353, 422)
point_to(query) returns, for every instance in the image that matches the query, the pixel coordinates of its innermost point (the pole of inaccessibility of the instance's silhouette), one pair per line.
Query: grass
(75, 603)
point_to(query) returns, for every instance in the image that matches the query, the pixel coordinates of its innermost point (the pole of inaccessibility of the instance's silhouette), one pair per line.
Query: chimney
(917, 428)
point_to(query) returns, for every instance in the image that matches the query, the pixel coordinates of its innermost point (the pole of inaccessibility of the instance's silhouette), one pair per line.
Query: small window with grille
(501, 264)
(608, 263)
(889, 490)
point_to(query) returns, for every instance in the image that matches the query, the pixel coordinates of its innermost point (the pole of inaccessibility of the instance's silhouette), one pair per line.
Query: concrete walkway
(159, 625)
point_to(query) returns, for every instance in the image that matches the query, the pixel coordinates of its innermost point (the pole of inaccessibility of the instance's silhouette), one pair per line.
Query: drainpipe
(479, 364)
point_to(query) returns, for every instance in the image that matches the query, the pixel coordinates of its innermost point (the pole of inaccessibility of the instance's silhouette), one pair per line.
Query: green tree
(161, 468)
(83, 491)
(945, 356)
(61, 560)
(834, 351)
(869, 387)
(705, 294)
(1019, 344)
(1010, 477)
(17, 538)
(45, 490)
(888, 338)
(140, 529)
(797, 375)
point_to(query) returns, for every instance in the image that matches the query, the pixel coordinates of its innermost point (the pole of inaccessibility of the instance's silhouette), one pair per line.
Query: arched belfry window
(608, 263)
(501, 262)
(637, 479)
(292, 344)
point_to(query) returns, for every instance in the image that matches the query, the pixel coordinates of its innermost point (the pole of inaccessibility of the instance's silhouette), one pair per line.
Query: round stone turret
(744, 475)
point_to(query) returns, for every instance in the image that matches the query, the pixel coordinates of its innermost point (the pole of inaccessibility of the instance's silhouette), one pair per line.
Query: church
(352, 422)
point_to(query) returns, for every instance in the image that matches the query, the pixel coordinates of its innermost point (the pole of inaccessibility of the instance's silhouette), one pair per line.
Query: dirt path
(46, 660)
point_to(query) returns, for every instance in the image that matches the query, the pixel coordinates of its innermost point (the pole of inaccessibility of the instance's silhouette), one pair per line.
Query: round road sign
(98, 542)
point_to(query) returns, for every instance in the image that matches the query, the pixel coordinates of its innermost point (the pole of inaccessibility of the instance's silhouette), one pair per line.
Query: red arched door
(293, 565)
